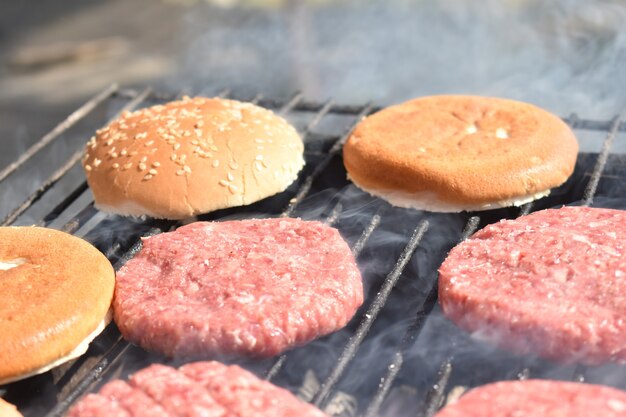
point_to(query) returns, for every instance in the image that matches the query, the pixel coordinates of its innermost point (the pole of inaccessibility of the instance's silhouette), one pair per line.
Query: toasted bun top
(56, 290)
(191, 156)
(8, 409)
(465, 150)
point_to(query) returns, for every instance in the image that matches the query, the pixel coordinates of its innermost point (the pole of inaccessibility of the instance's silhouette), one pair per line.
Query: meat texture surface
(200, 389)
(533, 398)
(551, 283)
(250, 287)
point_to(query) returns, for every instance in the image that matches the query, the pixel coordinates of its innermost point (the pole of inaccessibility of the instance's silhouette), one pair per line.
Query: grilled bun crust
(56, 292)
(191, 156)
(455, 153)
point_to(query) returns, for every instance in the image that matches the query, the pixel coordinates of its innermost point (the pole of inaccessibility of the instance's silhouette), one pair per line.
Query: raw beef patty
(535, 398)
(250, 287)
(552, 283)
(207, 389)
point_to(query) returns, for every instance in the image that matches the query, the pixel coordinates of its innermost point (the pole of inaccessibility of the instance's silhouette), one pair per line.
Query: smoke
(566, 55)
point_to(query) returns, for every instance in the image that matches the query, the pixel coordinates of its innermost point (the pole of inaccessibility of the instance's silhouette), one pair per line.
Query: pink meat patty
(250, 287)
(202, 389)
(539, 398)
(550, 283)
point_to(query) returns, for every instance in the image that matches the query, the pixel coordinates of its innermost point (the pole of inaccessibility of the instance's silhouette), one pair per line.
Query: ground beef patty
(533, 398)
(252, 287)
(202, 389)
(552, 283)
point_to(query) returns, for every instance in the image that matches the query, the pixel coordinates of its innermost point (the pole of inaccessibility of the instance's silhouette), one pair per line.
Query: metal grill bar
(70, 121)
(372, 312)
(319, 168)
(360, 244)
(436, 396)
(328, 105)
(592, 186)
(57, 175)
(350, 109)
(334, 214)
(293, 102)
(411, 333)
(63, 205)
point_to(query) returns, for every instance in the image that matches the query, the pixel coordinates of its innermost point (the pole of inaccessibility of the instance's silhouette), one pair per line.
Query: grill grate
(398, 339)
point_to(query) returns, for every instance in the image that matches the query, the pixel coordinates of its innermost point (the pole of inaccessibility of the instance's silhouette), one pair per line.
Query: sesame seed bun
(56, 295)
(8, 409)
(460, 153)
(191, 156)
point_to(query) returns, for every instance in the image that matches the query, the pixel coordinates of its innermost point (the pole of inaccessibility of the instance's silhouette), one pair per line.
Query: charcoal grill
(398, 356)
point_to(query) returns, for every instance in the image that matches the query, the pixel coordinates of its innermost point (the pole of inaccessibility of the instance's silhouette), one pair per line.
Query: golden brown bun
(191, 156)
(56, 292)
(8, 409)
(454, 153)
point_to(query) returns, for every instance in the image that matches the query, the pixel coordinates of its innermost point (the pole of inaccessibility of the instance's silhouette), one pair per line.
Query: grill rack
(87, 372)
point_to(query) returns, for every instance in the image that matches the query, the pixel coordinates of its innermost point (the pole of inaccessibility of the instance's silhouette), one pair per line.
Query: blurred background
(565, 55)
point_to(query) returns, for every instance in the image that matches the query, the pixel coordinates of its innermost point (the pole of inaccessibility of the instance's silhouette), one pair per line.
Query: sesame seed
(230, 177)
(147, 177)
(198, 132)
(213, 148)
(258, 166)
(216, 163)
(96, 162)
(144, 158)
(109, 142)
(115, 165)
(153, 171)
(259, 157)
(180, 172)
(87, 168)
(187, 169)
(149, 143)
(233, 165)
(128, 165)
(232, 188)
(113, 154)
(173, 157)
(264, 164)
(223, 183)
(156, 164)
(142, 166)
(194, 142)
(176, 146)
(124, 152)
